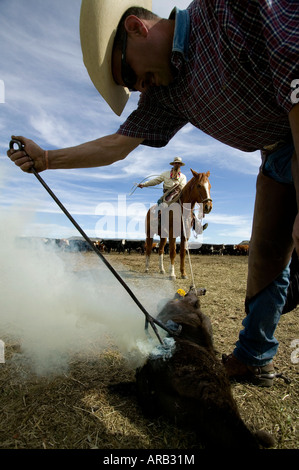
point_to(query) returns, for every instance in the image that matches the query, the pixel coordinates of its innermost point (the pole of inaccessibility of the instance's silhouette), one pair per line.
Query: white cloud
(229, 219)
(164, 8)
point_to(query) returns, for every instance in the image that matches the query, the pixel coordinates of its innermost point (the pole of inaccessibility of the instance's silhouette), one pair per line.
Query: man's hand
(31, 155)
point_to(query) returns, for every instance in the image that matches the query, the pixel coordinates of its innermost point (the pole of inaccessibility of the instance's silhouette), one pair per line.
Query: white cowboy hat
(98, 24)
(177, 160)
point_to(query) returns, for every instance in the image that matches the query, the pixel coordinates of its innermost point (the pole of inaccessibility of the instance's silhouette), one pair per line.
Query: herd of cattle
(129, 246)
(138, 246)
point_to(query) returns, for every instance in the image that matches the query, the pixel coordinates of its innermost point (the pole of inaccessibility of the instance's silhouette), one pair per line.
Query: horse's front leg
(182, 257)
(161, 254)
(172, 255)
(148, 250)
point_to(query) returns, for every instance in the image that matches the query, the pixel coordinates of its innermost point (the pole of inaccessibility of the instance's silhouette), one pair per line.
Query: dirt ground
(77, 410)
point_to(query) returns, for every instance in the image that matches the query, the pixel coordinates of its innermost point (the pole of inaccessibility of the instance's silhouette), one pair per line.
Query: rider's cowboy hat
(177, 160)
(98, 24)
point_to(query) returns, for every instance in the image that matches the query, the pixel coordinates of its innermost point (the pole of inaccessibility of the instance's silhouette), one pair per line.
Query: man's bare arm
(100, 152)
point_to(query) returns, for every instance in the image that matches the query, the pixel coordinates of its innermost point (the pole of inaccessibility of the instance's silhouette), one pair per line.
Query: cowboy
(173, 181)
(228, 68)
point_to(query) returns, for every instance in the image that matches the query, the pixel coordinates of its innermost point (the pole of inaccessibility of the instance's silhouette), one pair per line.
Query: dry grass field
(76, 409)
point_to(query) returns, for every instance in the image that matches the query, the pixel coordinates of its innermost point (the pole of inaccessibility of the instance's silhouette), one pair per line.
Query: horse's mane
(189, 185)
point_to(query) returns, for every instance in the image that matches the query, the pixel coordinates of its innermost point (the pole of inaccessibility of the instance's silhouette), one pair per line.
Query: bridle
(208, 199)
(203, 201)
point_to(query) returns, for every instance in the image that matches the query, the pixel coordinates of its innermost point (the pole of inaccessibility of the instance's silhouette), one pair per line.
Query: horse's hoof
(184, 276)
(162, 271)
(172, 278)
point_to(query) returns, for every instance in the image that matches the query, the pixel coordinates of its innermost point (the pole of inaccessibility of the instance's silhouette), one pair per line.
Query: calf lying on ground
(189, 385)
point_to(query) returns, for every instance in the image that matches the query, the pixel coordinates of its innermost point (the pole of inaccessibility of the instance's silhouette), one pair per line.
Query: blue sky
(46, 95)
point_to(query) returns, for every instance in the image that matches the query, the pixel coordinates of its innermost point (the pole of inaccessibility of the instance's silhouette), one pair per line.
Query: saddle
(171, 195)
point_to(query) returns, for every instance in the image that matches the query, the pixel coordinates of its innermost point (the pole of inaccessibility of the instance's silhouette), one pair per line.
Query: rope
(135, 185)
(188, 253)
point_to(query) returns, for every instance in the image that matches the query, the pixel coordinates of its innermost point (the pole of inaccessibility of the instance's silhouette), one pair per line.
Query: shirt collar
(181, 31)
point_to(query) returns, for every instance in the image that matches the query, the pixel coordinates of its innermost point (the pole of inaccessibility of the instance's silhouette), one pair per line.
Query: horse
(178, 213)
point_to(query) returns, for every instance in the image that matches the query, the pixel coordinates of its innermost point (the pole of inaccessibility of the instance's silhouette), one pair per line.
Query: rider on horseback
(173, 181)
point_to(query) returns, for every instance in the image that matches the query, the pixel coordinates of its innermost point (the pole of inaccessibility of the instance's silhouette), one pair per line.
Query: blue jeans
(257, 345)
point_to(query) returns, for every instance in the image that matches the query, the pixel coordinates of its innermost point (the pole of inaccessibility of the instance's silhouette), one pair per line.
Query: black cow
(189, 385)
(135, 245)
(114, 245)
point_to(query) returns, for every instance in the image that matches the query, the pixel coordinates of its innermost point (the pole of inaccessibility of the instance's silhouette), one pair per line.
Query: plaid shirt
(234, 72)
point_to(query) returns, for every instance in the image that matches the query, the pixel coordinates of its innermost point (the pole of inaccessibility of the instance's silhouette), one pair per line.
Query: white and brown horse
(197, 190)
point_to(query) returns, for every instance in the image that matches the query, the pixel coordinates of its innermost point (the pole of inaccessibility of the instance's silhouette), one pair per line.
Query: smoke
(55, 312)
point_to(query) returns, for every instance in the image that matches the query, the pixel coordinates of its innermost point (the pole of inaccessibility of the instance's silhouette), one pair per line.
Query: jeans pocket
(278, 165)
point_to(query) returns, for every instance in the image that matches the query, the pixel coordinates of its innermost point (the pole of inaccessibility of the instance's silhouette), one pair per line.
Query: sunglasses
(128, 75)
